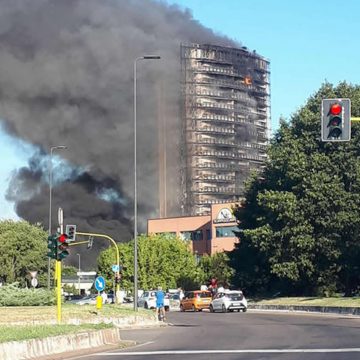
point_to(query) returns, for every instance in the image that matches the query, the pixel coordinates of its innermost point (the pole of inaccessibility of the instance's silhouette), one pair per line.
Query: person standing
(104, 297)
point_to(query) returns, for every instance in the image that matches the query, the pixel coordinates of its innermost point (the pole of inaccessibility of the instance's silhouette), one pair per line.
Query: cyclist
(160, 309)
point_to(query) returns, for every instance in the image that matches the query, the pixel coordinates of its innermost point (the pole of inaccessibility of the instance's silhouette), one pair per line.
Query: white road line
(143, 344)
(249, 351)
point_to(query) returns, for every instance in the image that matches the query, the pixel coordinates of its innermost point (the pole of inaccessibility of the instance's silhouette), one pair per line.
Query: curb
(313, 309)
(36, 348)
(86, 340)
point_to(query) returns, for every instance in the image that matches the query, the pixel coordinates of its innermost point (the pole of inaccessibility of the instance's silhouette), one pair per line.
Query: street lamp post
(79, 274)
(50, 194)
(146, 57)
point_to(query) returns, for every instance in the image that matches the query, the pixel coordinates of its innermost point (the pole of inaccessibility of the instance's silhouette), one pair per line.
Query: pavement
(88, 341)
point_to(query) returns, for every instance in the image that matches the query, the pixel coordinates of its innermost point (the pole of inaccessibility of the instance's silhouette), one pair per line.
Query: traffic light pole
(117, 274)
(58, 289)
(58, 271)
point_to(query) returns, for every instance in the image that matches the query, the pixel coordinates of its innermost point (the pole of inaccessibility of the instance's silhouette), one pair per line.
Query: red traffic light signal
(62, 247)
(335, 109)
(62, 238)
(335, 120)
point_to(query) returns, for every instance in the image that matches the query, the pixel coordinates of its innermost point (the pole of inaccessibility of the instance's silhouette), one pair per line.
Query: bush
(13, 295)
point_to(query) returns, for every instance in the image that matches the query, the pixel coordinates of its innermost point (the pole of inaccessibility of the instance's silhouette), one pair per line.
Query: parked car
(228, 301)
(73, 298)
(148, 300)
(128, 299)
(195, 300)
(86, 300)
(174, 300)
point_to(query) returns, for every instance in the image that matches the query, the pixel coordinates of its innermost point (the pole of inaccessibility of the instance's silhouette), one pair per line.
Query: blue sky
(307, 42)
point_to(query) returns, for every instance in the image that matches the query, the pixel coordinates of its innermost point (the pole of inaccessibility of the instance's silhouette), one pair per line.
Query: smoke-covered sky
(66, 78)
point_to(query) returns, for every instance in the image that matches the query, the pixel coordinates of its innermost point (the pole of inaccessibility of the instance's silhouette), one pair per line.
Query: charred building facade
(225, 123)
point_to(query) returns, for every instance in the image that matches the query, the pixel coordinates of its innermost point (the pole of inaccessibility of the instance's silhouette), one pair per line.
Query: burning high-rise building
(225, 123)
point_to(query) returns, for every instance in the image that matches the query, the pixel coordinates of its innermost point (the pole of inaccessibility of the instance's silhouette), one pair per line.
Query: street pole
(79, 274)
(146, 57)
(50, 199)
(58, 272)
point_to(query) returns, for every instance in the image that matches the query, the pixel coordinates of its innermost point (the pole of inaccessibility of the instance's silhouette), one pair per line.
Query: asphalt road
(251, 335)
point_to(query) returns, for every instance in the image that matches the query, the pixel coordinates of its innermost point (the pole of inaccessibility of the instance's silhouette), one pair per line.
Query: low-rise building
(208, 233)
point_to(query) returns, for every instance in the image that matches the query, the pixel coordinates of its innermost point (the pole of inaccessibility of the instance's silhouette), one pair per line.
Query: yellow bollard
(98, 302)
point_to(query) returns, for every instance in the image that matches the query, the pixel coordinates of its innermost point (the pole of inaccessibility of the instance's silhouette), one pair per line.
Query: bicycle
(161, 313)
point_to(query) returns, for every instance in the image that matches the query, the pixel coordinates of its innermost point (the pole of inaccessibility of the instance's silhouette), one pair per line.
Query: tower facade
(225, 123)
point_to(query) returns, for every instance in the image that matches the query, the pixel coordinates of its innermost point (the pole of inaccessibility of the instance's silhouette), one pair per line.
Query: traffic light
(70, 232)
(52, 246)
(335, 120)
(90, 242)
(62, 246)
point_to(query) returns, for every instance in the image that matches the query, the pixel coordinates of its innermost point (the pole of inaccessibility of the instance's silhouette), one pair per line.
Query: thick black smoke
(66, 78)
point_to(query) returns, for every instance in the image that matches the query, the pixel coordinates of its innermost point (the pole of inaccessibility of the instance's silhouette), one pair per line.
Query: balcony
(215, 190)
(214, 105)
(216, 130)
(209, 141)
(214, 178)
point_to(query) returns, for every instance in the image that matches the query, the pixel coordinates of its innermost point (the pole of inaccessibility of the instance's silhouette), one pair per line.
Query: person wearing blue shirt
(160, 297)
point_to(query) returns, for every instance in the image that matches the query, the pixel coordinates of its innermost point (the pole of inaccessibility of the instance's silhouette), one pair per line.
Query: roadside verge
(315, 309)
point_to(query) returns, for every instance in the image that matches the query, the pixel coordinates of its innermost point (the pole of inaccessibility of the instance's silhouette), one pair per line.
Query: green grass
(19, 332)
(23, 315)
(310, 301)
(35, 322)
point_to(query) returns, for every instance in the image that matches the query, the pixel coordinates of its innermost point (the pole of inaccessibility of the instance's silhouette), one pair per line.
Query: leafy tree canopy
(301, 219)
(217, 267)
(23, 248)
(163, 260)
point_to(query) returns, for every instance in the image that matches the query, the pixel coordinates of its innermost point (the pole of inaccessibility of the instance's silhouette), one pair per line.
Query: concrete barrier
(31, 349)
(319, 309)
(35, 348)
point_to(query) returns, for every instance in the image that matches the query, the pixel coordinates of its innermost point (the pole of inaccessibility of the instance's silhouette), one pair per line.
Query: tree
(23, 248)
(217, 266)
(300, 220)
(69, 270)
(163, 260)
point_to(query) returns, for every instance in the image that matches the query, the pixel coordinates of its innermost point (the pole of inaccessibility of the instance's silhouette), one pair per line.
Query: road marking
(143, 344)
(245, 351)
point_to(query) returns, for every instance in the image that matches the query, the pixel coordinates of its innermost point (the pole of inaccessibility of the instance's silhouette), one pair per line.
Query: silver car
(228, 301)
(87, 300)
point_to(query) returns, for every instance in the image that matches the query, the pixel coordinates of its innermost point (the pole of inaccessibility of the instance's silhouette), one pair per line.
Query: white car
(228, 300)
(174, 300)
(148, 300)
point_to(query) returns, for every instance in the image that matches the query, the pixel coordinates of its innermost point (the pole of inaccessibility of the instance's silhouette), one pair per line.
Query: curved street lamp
(58, 147)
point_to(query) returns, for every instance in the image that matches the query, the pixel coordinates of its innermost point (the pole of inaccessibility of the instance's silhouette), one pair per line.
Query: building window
(167, 233)
(185, 235)
(226, 231)
(208, 234)
(191, 235)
